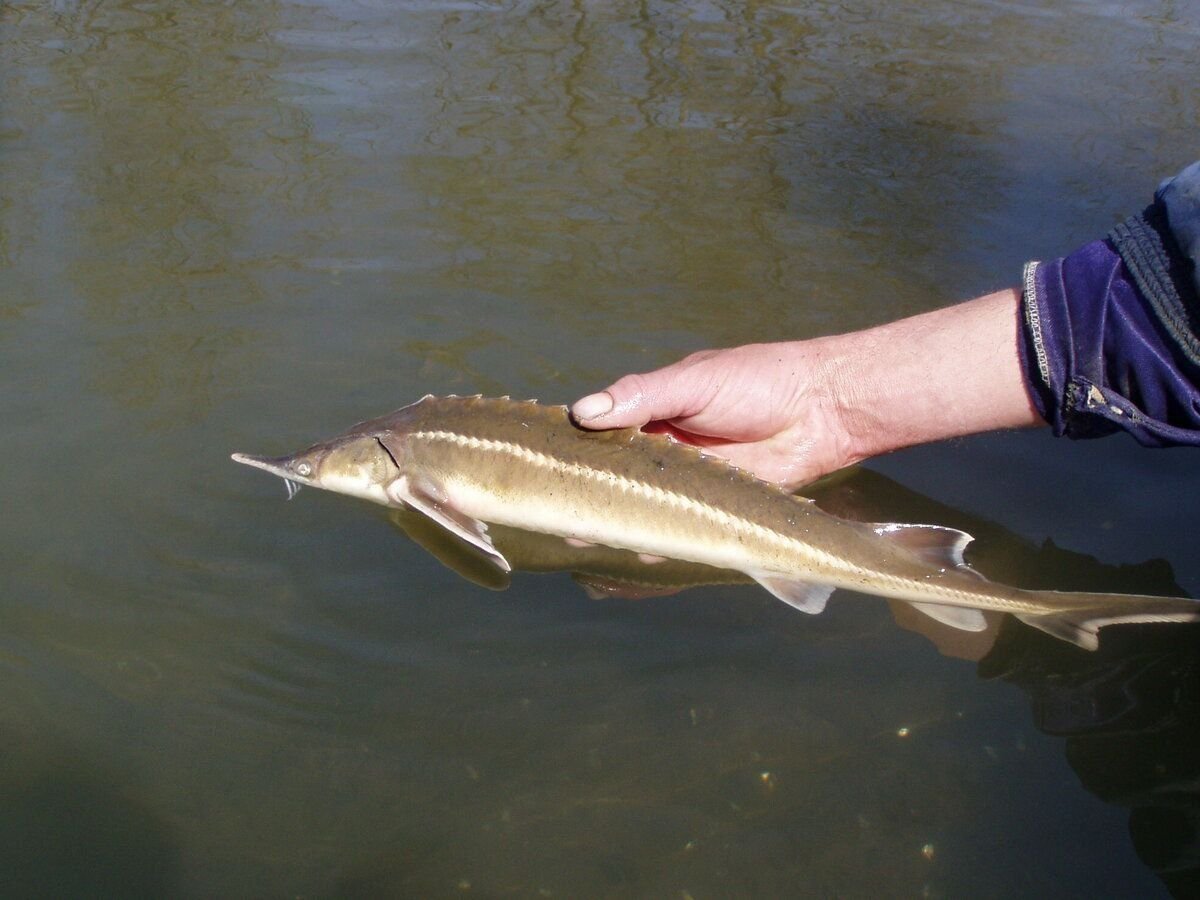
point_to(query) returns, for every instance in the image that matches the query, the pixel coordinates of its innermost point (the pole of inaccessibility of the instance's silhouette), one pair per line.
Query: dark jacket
(1111, 333)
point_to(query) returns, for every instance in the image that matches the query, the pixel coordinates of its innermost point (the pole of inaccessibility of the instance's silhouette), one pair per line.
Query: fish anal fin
(427, 498)
(806, 596)
(935, 544)
(961, 617)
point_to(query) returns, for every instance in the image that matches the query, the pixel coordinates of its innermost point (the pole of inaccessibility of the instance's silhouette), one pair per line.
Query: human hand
(791, 412)
(768, 408)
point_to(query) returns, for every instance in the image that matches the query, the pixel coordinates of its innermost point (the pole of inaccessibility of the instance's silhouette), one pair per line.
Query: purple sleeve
(1110, 339)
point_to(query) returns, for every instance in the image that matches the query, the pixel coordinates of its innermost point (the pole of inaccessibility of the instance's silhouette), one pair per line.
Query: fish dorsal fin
(935, 544)
(961, 617)
(427, 497)
(806, 596)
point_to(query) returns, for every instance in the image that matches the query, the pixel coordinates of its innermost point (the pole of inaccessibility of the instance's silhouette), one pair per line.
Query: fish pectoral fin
(450, 550)
(961, 617)
(427, 498)
(935, 544)
(806, 596)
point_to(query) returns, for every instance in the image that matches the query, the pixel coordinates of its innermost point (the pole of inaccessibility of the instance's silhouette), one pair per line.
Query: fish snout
(294, 474)
(276, 465)
(295, 468)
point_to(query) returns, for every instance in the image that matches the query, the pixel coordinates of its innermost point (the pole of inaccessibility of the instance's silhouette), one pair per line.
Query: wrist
(859, 394)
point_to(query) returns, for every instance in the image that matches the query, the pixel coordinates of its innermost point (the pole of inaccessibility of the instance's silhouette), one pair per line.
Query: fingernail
(593, 405)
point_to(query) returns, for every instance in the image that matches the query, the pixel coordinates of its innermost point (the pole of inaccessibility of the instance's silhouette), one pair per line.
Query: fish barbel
(468, 461)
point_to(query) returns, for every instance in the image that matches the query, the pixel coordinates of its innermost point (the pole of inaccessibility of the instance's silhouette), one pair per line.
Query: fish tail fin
(1081, 625)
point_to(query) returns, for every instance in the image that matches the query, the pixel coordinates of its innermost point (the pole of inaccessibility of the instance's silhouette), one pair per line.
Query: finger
(634, 400)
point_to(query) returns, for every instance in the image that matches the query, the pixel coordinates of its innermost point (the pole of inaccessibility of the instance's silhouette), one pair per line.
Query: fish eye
(303, 469)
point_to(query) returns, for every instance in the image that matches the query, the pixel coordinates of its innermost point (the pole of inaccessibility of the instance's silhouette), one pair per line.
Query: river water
(245, 226)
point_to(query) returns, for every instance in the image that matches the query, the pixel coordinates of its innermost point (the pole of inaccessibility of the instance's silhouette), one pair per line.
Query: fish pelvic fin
(427, 497)
(805, 596)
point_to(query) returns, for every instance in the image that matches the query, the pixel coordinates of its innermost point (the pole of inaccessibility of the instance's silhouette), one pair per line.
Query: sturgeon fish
(467, 461)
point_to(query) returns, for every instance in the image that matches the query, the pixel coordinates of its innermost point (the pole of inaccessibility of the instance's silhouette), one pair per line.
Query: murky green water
(244, 226)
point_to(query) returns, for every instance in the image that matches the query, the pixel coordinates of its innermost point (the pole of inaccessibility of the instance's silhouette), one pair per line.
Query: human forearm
(947, 373)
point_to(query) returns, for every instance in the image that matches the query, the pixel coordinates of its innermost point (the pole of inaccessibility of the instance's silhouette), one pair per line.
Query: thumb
(634, 400)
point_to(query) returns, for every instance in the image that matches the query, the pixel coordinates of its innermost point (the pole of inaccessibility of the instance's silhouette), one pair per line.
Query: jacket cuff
(1098, 357)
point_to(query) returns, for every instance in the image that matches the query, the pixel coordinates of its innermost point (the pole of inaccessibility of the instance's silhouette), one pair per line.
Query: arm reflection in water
(1129, 711)
(1130, 717)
